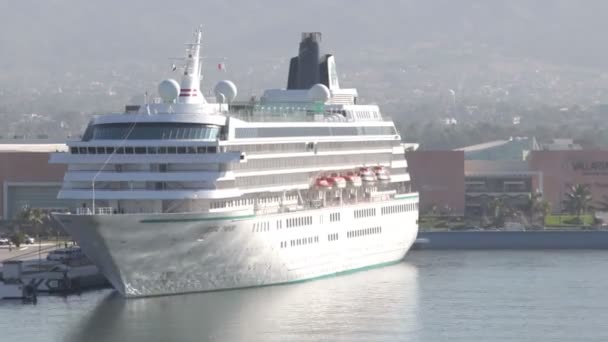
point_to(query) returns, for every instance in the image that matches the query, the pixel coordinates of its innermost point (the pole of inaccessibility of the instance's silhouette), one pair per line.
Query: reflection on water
(454, 296)
(381, 303)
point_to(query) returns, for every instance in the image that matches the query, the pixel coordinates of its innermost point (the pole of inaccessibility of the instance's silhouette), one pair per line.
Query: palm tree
(578, 200)
(538, 207)
(35, 217)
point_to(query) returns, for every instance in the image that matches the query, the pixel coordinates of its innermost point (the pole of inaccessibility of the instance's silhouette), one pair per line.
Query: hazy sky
(56, 32)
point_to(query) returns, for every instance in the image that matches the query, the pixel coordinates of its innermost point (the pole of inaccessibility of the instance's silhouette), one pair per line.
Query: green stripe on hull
(405, 196)
(197, 219)
(337, 274)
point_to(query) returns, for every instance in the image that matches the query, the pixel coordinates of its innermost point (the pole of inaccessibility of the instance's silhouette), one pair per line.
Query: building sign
(589, 168)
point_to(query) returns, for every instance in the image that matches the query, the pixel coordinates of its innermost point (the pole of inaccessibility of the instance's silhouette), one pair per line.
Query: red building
(439, 178)
(560, 170)
(28, 179)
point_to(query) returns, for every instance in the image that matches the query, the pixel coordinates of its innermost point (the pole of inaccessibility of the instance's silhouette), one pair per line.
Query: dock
(514, 240)
(25, 275)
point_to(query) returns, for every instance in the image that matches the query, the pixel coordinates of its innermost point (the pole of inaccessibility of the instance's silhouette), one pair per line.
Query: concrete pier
(558, 239)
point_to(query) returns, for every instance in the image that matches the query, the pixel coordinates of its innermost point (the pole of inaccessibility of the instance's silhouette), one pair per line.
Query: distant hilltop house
(561, 145)
(449, 121)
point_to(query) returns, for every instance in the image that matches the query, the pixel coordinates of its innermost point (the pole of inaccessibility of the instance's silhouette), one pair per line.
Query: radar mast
(191, 79)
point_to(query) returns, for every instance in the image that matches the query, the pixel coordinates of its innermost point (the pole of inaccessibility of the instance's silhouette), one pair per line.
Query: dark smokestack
(304, 71)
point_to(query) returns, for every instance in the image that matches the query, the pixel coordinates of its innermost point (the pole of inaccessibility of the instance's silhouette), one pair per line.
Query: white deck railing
(98, 211)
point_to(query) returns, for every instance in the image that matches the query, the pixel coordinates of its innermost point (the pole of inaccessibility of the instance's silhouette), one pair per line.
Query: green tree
(17, 238)
(498, 210)
(578, 200)
(34, 217)
(539, 208)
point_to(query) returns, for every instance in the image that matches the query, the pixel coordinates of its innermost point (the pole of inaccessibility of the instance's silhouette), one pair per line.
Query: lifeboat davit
(337, 180)
(353, 180)
(366, 174)
(381, 173)
(323, 183)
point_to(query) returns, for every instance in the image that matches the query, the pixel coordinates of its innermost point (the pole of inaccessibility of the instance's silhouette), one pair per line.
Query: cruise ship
(184, 194)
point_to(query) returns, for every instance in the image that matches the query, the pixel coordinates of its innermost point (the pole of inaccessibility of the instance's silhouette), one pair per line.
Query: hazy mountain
(63, 32)
(79, 56)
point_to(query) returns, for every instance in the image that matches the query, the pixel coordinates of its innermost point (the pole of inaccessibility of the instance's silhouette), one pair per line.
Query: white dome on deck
(168, 90)
(319, 93)
(225, 91)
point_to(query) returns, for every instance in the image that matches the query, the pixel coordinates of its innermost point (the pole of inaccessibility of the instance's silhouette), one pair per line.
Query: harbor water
(430, 296)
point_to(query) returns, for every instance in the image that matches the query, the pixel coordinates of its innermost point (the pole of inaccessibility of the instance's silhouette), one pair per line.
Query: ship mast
(191, 79)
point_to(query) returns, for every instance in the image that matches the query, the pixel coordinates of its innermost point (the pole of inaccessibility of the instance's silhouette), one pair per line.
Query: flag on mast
(221, 66)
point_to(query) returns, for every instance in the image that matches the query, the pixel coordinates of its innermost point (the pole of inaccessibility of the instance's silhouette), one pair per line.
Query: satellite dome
(168, 90)
(225, 91)
(220, 97)
(319, 93)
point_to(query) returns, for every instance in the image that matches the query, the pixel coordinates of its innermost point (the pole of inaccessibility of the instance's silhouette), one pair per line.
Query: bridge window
(152, 131)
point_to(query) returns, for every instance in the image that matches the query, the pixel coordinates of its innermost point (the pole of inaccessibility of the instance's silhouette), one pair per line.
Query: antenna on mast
(191, 79)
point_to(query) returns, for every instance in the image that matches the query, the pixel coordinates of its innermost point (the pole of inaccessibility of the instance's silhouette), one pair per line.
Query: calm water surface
(431, 296)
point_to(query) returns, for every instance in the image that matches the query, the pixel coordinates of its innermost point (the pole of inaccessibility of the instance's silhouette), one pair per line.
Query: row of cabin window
(365, 114)
(232, 203)
(319, 131)
(304, 241)
(312, 160)
(253, 181)
(299, 242)
(334, 217)
(332, 237)
(261, 227)
(250, 201)
(363, 232)
(367, 212)
(269, 148)
(394, 209)
(298, 221)
(353, 145)
(144, 150)
(305, 147)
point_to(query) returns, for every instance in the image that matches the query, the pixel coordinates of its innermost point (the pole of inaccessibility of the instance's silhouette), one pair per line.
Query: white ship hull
(160, 254)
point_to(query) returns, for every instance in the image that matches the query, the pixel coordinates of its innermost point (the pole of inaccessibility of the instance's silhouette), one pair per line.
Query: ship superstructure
(184, 195)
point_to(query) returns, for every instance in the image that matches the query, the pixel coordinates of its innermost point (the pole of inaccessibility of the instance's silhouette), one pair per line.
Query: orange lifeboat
(381, 173)
(338, 181)
(323, 183)
(366, 175)
(353, 180)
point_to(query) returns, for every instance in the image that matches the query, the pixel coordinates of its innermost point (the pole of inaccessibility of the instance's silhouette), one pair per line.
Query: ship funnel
(310, 66)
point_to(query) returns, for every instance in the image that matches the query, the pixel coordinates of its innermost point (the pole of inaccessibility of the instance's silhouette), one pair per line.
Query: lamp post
(93, 195)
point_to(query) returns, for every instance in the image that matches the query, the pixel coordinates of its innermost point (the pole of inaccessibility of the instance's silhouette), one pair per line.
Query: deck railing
(98, 211)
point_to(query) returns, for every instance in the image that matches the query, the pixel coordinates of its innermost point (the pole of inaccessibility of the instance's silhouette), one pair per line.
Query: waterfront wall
(468, 240)
(562, 169)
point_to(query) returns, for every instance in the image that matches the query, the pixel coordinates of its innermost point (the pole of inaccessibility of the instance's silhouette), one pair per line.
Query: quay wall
(524, 240)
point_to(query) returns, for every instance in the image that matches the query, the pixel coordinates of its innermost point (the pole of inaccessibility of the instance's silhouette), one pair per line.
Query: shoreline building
(468, 178)
(27, 179)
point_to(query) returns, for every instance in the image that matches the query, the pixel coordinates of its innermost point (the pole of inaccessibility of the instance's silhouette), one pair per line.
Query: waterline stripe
(405, 196)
